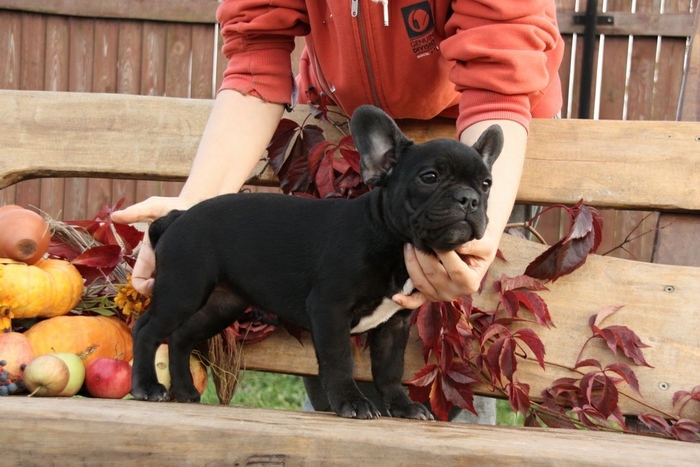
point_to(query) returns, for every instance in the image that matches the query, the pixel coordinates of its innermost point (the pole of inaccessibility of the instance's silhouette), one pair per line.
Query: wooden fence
(171, 48)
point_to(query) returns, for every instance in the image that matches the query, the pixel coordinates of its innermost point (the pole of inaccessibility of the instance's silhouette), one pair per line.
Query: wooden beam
(659, 305)
(45, 431)
(610, 164)
(180, 11)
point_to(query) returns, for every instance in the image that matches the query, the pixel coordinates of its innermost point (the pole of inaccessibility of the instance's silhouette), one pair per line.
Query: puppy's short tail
(159, 226)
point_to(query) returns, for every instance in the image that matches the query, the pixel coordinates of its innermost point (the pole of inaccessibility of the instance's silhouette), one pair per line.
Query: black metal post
(589, 36)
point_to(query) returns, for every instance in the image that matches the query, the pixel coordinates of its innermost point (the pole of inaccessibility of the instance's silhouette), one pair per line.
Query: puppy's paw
(359, 408)
(186, 395)
(154, 393)
(410, 409)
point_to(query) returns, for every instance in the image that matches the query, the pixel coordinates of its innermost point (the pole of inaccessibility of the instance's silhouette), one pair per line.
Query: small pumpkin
(51, 287)
(24, 234)
(87, 336)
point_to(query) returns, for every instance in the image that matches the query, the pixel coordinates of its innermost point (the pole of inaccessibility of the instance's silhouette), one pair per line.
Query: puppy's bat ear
(490, 144)
(378, 140)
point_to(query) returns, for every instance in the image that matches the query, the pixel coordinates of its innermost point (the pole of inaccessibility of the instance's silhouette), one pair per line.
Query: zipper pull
(355, 5)
(385, 7)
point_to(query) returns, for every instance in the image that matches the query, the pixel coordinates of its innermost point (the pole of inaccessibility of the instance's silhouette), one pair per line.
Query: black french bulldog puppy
(330, 265)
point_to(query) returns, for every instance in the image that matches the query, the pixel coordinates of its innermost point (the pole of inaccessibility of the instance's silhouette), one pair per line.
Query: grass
(286, 392)
(266, 390)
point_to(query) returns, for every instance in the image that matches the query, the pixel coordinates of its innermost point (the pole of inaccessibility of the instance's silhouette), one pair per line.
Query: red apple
(16, 350)
(108, 378)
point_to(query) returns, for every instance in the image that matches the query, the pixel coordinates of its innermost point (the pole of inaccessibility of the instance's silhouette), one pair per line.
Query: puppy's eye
(486, 185)
(429, 178)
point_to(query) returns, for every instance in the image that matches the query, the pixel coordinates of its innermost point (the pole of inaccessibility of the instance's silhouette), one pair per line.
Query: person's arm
(451, 275)
(234, 139)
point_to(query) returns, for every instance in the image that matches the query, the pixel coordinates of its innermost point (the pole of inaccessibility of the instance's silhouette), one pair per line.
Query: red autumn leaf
(281, 143)
(600, 392)
(316, 155)
(438, 401)
(311, 136)
(425, 376)
(325, 177)
(297, 178)
(61, 250)
(623, 338)
(519, 397)
(457, 395)
(604, 313)
(461, 373)
(536, 305)
(493, 330)
(655, 422)
(627, 375)
(590, 417)
(682, 398)
(101, 256)
(520, 282)
(533, 341)
(686, 430)
(429, 324)
(351, 156)
(589, 362)
(569, 253)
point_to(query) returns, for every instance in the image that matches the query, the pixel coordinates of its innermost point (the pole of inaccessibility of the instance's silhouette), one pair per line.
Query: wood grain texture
(100, 432)
(609, 164)
(185, 11)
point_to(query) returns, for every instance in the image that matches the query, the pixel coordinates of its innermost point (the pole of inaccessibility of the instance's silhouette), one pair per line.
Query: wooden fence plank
(130, 433)
(55, 79)
(33, 66)
(203, 43)
(184, 11)
(10, 46)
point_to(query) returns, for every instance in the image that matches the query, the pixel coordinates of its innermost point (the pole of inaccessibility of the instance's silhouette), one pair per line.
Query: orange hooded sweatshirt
(474, 60)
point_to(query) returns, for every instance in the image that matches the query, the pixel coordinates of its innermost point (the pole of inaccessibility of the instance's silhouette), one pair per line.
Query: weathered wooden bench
(610, 164)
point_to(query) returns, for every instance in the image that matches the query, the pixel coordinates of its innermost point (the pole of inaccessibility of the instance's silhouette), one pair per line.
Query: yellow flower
(130, 301)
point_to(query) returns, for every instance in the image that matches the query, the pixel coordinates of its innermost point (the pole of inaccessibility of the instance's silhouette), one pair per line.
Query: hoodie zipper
(355, 11)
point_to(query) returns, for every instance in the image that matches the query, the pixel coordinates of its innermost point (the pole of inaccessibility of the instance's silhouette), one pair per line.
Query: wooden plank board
(615, 164)
(130, 433)
(186, 11)
(659, 305)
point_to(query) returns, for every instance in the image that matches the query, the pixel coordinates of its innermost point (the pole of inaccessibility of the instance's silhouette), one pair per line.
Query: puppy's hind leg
(175, 299)
(220, 311)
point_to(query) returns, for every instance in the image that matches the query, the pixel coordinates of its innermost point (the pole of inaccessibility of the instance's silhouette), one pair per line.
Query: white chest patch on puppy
(382, 313)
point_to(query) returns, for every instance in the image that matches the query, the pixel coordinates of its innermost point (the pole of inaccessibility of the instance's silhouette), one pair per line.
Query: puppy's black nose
(468, 199)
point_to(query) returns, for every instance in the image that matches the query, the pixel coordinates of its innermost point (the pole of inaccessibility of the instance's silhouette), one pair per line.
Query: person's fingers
(410, 302)
(148, 210)
(141, 275)
(420, 272)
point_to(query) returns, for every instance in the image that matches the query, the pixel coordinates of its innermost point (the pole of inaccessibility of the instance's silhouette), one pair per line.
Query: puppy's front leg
(330, 332)
(387, 344)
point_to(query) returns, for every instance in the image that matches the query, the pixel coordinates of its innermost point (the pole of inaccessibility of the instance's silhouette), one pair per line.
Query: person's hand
(449, 275)
(147, 211)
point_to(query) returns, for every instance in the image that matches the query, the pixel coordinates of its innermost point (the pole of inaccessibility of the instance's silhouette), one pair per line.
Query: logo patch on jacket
(420, 27)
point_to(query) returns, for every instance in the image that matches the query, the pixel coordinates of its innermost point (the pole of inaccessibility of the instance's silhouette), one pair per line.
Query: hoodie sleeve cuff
(477, 105)
(250, 73)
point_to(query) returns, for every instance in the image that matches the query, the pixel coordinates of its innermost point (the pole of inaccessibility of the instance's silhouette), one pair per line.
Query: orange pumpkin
(24, 234)
(87, 336)
(51, 287)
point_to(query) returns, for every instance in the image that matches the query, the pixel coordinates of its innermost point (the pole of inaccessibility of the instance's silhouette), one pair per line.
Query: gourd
(50, 287)
(87, 336)
(24, 234)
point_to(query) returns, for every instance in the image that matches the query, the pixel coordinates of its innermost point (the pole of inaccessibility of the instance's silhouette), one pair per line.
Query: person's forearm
(506, 172)
(234, 139)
